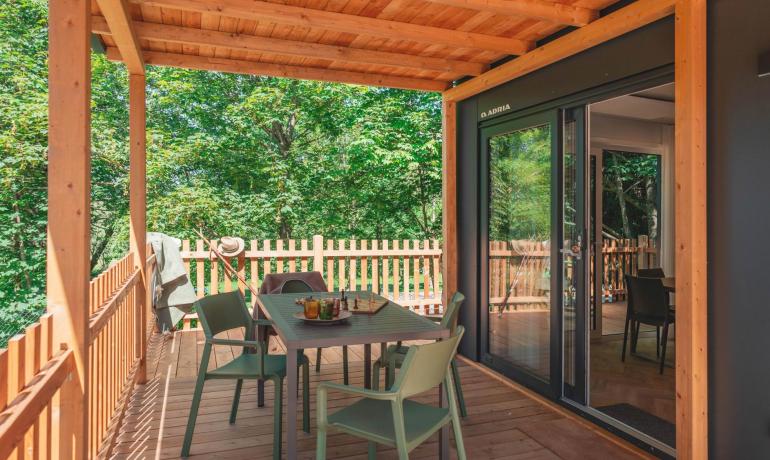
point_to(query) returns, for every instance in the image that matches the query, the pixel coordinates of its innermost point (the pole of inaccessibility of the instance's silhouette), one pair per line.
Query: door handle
(576, 250)
(571, 253)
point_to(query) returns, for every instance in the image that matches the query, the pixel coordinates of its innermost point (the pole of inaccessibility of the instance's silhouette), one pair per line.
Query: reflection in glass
(570, 258)
(519, 248)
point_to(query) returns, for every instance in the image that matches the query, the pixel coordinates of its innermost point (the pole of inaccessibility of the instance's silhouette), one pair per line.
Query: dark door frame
(552, 386)
(578, 391)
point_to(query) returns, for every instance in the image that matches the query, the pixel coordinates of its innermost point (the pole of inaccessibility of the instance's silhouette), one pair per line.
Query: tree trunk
(423, 202)
(652, 210)
(622, 203)
(283, 136)
(99, 248)
(20, 241)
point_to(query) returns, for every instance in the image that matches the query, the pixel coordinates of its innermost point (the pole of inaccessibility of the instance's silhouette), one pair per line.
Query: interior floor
(633, 391)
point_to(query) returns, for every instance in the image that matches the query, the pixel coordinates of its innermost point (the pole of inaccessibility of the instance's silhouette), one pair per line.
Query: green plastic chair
(396, 354)
(223, 312)
(424, 368)
(299, 286)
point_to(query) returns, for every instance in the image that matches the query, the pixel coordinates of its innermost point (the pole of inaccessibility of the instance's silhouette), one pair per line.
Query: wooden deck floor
(503, 420)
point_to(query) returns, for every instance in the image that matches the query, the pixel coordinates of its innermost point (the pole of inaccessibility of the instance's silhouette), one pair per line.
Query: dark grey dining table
(390, 324)
(669, 284)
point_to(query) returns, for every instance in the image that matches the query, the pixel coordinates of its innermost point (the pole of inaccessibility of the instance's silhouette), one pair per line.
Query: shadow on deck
(503, 421)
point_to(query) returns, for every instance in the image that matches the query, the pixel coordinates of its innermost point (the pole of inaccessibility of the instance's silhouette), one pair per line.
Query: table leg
(368, 365)
(443, 435)
(261, 334)
(291, 406)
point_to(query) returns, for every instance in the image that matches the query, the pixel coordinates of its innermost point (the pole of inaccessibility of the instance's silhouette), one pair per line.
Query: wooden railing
(519, 271)
(621, 257)
(112, 356)
(408, 271)
(33, 370)
(518, 274)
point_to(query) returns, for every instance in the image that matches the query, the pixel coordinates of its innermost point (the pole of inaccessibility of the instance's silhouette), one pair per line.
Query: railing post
(449, 197)
(69, 203)
(138, 205)
(318, 253)
(643, 261)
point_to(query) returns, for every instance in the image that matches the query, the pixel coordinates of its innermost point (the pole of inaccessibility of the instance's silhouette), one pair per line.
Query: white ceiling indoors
(652, 105)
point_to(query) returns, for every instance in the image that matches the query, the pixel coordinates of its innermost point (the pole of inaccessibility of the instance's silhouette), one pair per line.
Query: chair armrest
(262, 322)
(236, 343)
(357, 391)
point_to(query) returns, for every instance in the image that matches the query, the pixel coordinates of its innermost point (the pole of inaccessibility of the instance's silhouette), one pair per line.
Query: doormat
(649, 424)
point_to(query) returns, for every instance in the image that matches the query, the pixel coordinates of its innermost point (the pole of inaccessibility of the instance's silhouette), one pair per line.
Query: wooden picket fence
(522, 267)
(34, 371)
(621, 257)
(405, 271)
(518, 274)
(112, 357)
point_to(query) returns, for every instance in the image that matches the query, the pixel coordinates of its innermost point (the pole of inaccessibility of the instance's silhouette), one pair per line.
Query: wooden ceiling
(414, 44)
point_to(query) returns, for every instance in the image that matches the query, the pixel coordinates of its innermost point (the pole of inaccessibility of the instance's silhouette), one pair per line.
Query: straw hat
(230, 246)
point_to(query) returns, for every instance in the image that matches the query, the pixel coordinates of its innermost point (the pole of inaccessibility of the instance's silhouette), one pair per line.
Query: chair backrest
(449, 320)
(222, 312)
(292, 286)
(656, 272)
(647, 297)
(425, 366)
(273, 282)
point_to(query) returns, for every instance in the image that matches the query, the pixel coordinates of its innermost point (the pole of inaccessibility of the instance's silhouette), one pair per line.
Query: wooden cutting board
(367, 307)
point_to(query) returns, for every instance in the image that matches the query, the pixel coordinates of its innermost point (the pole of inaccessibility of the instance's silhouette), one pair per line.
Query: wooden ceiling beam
(120, 23)
(339, 22)
(557, 13)
(245, 42)
(624, 20)
(279, 70)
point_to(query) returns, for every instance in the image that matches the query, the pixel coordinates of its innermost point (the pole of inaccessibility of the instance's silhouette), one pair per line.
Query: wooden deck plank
(502, 421)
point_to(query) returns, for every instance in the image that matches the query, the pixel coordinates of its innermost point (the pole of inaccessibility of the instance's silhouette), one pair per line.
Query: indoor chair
(224, 312)
(647, 304)
(395, 354)
(388, 417)
(656, 272)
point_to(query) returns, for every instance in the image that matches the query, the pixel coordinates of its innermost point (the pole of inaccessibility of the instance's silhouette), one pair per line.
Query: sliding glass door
(519, 162)
(573, 252)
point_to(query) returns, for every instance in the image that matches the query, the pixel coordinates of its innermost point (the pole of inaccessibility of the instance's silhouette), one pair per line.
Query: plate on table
(343, 316)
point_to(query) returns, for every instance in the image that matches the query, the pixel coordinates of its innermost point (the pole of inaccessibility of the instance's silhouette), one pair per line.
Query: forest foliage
(230, 154)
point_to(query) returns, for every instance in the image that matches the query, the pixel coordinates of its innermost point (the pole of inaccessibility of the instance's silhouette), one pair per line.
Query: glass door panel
(573, 263)
(519, 230)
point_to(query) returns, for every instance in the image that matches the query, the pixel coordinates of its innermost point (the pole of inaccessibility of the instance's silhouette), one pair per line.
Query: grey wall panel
(738, 229)
(467, 215)
(631, 54)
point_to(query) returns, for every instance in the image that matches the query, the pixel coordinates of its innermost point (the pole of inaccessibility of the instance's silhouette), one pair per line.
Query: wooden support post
(138, 211)
(449, 197)
(69, 192)
(690, 221)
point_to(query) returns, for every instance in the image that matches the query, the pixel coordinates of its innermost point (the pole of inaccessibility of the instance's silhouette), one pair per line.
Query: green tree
(256, 157)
